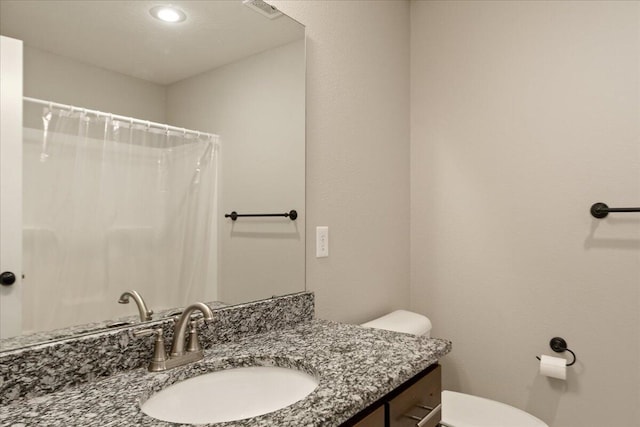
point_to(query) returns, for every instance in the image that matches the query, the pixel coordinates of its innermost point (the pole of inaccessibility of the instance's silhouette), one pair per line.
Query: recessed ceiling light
(168, 14)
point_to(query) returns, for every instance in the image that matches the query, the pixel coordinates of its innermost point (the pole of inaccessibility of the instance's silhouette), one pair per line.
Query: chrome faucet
(179, 356)
(180, 330)
(145, 313)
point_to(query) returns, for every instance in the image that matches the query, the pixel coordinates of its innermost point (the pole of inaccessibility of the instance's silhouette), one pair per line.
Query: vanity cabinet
(414, 403)
(374, 419)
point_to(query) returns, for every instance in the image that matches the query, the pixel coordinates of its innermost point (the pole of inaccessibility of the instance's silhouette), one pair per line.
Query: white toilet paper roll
(554, 367)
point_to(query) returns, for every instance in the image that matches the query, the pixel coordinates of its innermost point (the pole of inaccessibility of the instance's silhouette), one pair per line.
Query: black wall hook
(559, 345)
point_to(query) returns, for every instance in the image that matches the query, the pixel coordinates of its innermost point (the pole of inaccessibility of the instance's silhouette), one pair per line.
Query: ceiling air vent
(263, 8)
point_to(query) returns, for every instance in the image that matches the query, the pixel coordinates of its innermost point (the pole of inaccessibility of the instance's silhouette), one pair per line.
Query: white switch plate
(322, 242)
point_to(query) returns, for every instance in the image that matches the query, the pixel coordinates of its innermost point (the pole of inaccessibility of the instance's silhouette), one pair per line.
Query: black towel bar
(601, 210)
(292, 215)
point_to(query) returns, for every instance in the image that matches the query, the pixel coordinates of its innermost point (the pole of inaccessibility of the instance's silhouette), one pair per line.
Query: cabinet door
(374, 419)
(419, 405)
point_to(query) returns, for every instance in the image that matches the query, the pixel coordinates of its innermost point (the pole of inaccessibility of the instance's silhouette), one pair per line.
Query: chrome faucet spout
(145, 313)
(180, 330)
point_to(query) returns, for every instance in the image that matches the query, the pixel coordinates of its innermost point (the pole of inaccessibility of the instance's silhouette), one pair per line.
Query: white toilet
(458, 409)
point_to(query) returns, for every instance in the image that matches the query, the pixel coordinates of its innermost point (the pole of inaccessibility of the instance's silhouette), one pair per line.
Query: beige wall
(523, 114)
(56, 78)
(357, 154)
(256, 105)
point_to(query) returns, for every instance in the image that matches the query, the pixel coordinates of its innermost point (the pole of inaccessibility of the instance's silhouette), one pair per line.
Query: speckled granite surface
(355, 366)
(36, 370)
(42, 337)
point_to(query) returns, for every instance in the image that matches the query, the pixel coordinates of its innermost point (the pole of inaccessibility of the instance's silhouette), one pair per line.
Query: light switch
(322, 242)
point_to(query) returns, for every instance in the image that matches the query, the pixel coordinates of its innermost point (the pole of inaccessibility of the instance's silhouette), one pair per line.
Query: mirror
(234, 69)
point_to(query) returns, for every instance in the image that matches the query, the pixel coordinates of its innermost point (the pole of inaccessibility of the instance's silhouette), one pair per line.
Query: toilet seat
(464, 410)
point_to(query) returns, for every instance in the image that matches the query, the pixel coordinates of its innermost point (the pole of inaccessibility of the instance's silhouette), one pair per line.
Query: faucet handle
(193, 343)
(158, 362)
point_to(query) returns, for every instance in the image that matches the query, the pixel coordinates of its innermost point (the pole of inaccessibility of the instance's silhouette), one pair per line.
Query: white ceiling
(122, 36)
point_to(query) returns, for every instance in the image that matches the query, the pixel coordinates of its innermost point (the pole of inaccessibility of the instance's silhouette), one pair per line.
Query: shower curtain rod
(118, 117)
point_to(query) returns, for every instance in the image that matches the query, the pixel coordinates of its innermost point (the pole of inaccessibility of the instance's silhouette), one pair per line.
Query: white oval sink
(229, 395)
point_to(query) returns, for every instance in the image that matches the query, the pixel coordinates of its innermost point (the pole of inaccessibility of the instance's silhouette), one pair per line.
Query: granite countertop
(7, 344)
(355, 366)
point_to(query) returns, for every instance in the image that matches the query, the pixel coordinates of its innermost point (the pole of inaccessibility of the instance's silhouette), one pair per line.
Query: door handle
(7, 278)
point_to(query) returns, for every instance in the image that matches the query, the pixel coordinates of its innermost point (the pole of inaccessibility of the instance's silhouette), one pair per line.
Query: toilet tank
(402, 321)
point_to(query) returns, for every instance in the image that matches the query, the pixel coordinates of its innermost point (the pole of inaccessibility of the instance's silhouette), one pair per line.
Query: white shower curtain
(111, 205)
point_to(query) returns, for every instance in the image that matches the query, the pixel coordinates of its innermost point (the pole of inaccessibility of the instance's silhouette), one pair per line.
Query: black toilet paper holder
(559, 345)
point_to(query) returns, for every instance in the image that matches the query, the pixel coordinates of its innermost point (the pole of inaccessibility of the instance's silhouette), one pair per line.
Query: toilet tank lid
(402, 321)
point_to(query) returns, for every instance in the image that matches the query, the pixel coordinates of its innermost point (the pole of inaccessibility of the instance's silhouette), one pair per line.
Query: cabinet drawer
(418, 405)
